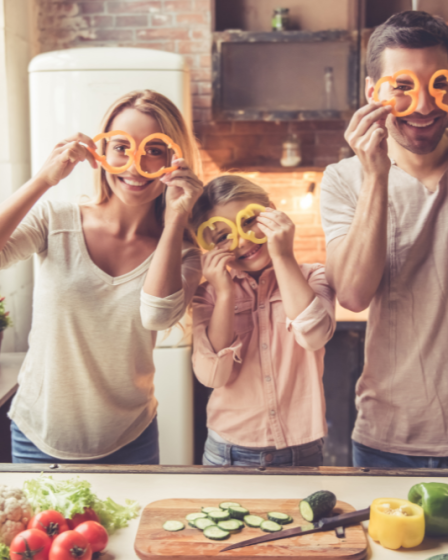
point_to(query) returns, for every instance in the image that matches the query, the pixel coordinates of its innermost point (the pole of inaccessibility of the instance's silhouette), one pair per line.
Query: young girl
(112, 272)
(260, 325)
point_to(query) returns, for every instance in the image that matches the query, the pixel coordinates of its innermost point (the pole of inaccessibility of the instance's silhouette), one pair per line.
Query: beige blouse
(86, 387)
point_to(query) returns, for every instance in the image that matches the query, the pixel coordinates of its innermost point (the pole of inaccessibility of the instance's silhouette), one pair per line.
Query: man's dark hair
(406, 30)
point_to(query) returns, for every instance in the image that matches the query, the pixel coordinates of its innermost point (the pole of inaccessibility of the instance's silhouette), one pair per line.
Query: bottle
(280, 19)
(329, 88)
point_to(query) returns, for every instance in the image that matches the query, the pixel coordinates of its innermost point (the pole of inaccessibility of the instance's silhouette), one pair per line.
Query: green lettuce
(4, 552)
(72, 496)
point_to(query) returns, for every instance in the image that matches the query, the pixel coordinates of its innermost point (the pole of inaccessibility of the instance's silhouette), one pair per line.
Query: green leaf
(4, 552)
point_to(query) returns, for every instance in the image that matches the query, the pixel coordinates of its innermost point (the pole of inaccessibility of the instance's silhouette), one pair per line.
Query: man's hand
(366, 135)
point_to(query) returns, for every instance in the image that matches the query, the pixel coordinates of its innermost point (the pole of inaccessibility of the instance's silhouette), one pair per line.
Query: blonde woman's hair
(224, 189)
(171, 122)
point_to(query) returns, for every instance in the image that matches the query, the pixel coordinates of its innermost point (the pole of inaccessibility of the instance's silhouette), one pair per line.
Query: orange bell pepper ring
(102, 158)
(438, 94)
(141, 152)
(209, 224)
(413, 93)
(134, 154)
(248, 212)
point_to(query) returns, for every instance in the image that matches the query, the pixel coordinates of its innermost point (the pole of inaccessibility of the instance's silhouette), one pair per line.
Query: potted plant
(5, 319)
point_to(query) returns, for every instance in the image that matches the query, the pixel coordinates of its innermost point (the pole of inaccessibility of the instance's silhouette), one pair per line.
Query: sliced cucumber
(216, 534)
(209, 509)
(253, 520)
(317, 505)
(193, 516)
(238, 512)
(231, 525)
(270, 526)
(282, 518)
(220, 515)
(203, 523)
(227, 505)
(173, 526)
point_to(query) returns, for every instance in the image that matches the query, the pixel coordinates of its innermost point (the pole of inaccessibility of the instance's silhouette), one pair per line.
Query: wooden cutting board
(154, 543)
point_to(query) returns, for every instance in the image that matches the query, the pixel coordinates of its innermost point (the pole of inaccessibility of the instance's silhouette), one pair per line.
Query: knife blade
(325, 524)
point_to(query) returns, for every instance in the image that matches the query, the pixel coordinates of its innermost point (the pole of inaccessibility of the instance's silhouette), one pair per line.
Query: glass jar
(280, 19)
(291, 153)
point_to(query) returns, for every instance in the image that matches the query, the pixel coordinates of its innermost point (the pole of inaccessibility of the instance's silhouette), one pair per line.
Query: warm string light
(306, 201)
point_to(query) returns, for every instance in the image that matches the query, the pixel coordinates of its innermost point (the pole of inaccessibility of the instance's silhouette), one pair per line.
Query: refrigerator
(70, 91)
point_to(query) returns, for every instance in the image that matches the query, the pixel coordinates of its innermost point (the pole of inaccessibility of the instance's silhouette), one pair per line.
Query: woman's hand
(64, 157)
(214, 269)
(183, 190)
(279, 229)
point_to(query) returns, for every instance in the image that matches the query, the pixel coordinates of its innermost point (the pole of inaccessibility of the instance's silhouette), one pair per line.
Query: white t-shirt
(86, 387)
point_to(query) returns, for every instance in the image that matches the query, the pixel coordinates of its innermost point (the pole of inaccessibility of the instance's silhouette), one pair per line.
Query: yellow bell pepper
(395, 523)
(248, 212)
(209, 224)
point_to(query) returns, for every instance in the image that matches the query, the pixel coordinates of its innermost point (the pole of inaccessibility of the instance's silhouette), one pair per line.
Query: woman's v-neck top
(86, 387)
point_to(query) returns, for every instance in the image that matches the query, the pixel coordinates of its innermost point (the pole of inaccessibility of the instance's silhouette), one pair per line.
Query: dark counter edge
(198, 469)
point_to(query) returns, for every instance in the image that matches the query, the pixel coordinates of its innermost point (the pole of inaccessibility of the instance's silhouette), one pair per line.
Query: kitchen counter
(359, 487)
(10, 364)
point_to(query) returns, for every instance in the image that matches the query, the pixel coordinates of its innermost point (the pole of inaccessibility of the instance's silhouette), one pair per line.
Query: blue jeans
(142, 451)
(364, 456)
(222, 454)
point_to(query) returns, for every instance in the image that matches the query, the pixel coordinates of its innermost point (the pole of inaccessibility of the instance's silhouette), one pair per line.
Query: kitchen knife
(325, 524)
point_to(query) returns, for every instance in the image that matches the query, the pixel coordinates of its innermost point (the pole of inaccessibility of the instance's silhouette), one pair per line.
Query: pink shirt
(268, 384)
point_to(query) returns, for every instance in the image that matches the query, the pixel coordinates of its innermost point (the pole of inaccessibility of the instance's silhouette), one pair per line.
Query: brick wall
(185, 26)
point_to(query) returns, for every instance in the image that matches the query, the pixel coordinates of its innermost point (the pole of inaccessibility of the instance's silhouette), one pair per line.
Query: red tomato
(95, 534)
(78, 518)
(32, 543)
(70, 546)
(49, 521)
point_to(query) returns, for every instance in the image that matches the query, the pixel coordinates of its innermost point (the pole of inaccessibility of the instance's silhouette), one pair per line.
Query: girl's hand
(279, 229)
(183, 190)
(64, 157)
(214, 269)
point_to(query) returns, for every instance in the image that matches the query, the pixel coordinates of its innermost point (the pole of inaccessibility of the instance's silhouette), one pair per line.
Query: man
(385, 216)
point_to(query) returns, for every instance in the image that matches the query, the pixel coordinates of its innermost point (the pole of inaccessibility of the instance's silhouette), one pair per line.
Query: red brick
(114, 34)
(199, 34)
(192, 19)
(168, 46)
(91, 7)
(206, 61)
(192, 60)
(158, 20)
(202, 101)
(310, 231)
(131, 21)
(330, 138)
(161, 33)
(142, 7)
(336, 124)
(178, 5)
(217, 155)
(202, 115)
(203, 6)
(202, 75)
(214, 128)
(101, 21)
(189, 47)
(205, 88)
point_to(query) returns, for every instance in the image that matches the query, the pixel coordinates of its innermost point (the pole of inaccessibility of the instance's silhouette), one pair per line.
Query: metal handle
(345, 519)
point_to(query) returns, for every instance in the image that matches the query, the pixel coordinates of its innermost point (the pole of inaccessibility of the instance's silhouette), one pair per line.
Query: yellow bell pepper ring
(102, 158)
(141, 152)
(413, 93)
(248, 212)
(209, 224)
(438, 94)
(396, 523)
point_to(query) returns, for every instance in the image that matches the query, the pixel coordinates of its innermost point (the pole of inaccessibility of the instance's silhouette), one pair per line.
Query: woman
(112, 272)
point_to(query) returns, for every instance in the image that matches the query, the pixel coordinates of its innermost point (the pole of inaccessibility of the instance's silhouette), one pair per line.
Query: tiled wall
(184, 26)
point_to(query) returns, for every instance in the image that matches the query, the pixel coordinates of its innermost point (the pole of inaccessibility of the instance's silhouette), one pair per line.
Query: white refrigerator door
(174, 391)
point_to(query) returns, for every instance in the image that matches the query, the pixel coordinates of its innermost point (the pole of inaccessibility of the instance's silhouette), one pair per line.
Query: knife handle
(345, 519)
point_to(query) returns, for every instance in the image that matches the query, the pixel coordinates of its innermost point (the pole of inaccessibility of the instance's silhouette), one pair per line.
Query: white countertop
(359, 491)
(10, 364)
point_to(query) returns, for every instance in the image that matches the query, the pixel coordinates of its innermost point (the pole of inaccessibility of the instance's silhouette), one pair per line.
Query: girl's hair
(224, 189)
(171, 123)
